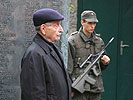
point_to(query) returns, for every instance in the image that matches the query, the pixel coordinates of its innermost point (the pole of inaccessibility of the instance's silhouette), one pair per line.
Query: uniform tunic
(79, 48)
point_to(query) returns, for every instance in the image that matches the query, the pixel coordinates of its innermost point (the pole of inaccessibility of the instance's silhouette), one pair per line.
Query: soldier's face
(88, 27)
(53, 31)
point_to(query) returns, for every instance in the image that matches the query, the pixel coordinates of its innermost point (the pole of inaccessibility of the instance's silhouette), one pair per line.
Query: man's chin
(58, 38)
(91, 31)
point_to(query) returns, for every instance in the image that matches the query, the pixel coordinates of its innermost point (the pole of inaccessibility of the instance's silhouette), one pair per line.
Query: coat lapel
(57, 58)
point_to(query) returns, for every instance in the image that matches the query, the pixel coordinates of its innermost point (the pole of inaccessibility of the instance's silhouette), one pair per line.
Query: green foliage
(72, 7)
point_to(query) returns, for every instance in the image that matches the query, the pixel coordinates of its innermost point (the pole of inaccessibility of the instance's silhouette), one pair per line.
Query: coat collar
(42, 43)
(48, 48)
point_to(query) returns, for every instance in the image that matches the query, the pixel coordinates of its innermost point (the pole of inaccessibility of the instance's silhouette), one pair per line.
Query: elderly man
(43, 75)
(81, 44)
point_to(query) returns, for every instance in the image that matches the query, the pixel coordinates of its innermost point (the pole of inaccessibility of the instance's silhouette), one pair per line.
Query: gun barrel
(111, 39)
(108, 43)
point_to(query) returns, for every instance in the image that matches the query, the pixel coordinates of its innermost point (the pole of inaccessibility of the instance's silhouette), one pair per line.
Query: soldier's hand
(105, 60)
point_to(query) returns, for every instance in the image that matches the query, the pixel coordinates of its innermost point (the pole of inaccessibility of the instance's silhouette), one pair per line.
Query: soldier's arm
(105, 59)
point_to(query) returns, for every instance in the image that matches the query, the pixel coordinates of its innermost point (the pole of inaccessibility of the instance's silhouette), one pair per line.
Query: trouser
(86, 96)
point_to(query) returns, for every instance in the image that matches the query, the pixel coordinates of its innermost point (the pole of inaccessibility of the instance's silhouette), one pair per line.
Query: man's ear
(42, 28)
(82, 22)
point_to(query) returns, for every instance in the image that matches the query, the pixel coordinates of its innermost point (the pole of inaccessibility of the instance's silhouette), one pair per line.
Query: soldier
(81, 44)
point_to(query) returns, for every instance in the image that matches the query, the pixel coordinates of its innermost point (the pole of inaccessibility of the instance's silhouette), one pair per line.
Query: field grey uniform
(79, 48)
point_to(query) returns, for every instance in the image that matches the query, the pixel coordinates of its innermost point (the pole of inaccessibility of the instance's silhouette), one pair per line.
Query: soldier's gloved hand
(105, 60)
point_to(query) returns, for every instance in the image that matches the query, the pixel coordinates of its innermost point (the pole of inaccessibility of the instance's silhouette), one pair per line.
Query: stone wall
(73, 17)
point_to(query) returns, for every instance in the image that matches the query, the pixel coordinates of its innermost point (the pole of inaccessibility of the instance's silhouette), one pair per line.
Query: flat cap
(43, 16)
(89, 16)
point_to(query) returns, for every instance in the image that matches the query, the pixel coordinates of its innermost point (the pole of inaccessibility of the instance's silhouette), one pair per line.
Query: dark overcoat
(43, 75)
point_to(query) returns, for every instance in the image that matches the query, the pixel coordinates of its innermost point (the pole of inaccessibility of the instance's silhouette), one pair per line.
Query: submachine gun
(78, 83)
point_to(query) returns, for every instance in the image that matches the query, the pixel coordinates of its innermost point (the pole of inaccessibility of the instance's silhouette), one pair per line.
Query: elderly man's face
(53, 31)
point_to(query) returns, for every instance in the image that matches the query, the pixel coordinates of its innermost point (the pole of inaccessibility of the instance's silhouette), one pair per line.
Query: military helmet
(89, 16)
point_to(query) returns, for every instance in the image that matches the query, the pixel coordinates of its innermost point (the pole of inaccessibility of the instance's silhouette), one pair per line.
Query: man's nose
(60, 29)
